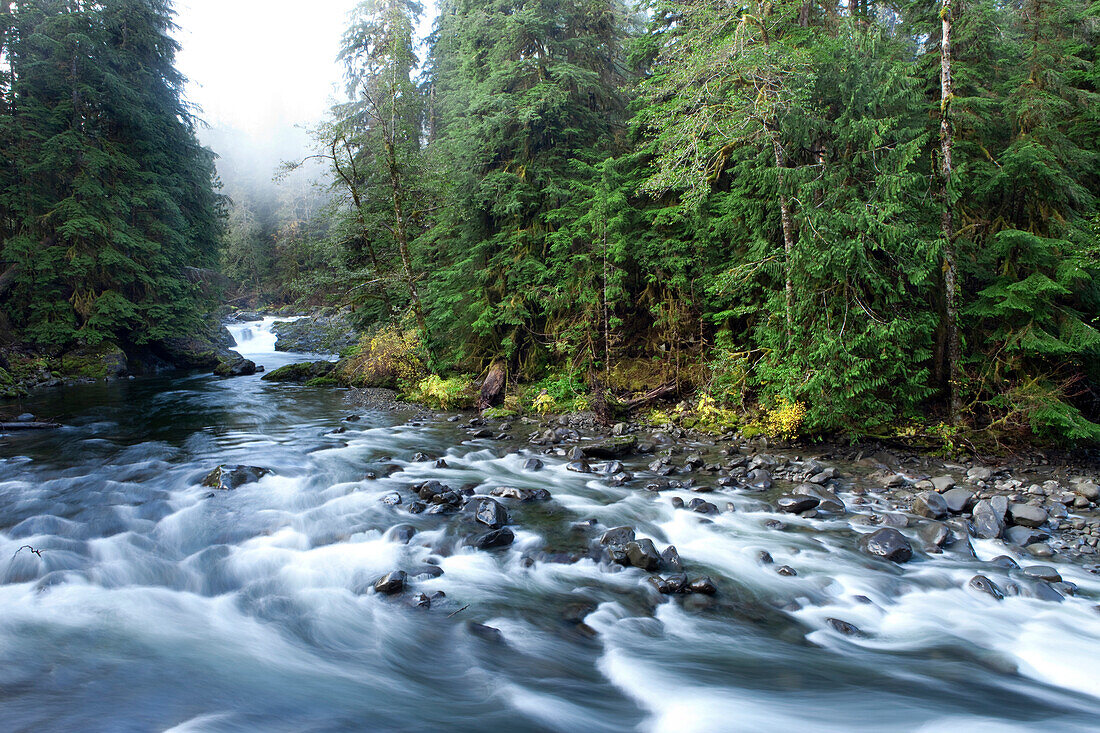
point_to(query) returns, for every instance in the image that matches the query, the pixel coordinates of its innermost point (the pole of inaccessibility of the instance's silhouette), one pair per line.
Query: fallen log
(668, 389)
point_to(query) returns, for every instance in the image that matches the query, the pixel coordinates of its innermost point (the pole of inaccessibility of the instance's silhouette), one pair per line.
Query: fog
(261, 72)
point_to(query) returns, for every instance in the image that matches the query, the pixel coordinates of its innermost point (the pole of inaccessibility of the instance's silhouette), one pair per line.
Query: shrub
(785, 418)
(389, 358)
(446, 394)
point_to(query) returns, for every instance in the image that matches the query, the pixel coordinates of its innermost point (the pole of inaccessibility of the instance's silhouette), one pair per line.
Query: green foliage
(448, 394)
(109, 199)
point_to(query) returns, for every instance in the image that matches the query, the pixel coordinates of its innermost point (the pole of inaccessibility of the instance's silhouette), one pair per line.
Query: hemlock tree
(110, 197)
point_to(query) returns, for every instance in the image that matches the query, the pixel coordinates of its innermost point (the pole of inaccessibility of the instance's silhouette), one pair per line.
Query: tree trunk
(401, 234)
(950, 274)
(788, 228)
(492, 389)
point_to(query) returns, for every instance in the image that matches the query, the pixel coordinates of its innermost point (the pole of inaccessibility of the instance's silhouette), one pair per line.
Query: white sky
(261, 66)
(260, 71)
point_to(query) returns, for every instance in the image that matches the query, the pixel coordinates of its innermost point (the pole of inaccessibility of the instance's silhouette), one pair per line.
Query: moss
(322, 382)
(498, 413)
(93, 362)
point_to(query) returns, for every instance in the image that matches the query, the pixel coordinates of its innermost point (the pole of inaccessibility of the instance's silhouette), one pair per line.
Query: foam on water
(156, 605)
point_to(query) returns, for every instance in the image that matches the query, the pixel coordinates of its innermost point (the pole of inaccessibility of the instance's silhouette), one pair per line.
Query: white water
(255, 338)
(154, 606)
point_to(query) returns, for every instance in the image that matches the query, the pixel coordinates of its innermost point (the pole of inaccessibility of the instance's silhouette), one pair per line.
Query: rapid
(148, 602)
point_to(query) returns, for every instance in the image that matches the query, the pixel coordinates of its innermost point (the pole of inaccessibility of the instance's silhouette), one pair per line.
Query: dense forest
(873, 218)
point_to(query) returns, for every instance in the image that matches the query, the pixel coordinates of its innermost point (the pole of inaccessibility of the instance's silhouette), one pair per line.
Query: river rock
(642, 554)
(827, 500)
(786, 571)
(496, 538)
(930, 504)
(887, 543)
(796, 504)
(958, 499)
(979, 473)
(302, 371)
(491, 514)
(1042, 572)
(227, 478)
(942, 483)
(486, 633)
(617, 536)
(1089, 490)
(533, 464)
(617, 447)
(391, 583)
(578, 467)
(844, 627)
(935, 533)
(1024, 536)
(510, 492)
(670, 559)
(315, 334)
(982, 584)
(235, 365)
(1027, 515)
(758, 479)
(704, 586)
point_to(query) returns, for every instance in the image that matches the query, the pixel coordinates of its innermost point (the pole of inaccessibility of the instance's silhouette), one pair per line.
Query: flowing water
(155, 605)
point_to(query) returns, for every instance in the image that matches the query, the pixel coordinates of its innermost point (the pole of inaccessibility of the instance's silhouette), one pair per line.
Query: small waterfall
(256, 337)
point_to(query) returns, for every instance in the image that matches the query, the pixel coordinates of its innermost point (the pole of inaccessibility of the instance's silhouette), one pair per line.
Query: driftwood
(7, 426)
(492, 389)
(667, 389)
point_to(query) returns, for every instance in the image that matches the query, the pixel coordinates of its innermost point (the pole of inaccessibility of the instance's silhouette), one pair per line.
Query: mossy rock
(94, 362)
(498, 413)
(303, 371)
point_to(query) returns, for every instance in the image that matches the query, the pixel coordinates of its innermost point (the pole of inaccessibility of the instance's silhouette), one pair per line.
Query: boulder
(616, 447)
(302, 371)
(704, 586)
(828, 500)
(315, 335)
(617, 536)
(958, 500)
(491, 514)
(227, 478)
(235, 365)
(495, 538)
(1027, 515)
(1024, 536)
(391, 583)
(642, 554)
(982, 584)
(942, 483)
(887, 543)
(510, 492)
(793, 504)
(930, 504)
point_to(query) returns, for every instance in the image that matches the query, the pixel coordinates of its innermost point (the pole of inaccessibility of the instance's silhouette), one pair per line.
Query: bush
(389, 358)
(785, 418)
(446, 394)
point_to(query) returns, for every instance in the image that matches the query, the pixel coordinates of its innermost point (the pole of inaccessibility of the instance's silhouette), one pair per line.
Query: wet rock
(642, 554)
(391, 499)
(764, 557)
(575, 454)
(786, 571)
(704, 586)
(1027, 515)
(620, 479)
(533, 464)
(300, 372)
(481, 433)
(486, 633)
(979, 474)
(930, 504)
(793, 504)
(420, 601)
(620, 536)
(1042, 572)
(401, 533)
(617, 447)
(1005, 562)
(935, 533)
(578, 467)
(758, 479)
(844, 627)
(702, 507)
(941, 484)
(491, 514)
(982, 584)
(958, 500)
(670, 559)
(1040, 549)
(235, 365)
(1024, 536)
(576, 613)
(677, 583)
(1088, 490)
(391, 583)
(227, 478)
(828, 500)
(1042, 591)
(496, 538)
(988, 522)
(509, 492)
(887, 543)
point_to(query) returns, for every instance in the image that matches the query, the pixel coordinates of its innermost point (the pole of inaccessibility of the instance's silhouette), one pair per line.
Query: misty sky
(261, 67)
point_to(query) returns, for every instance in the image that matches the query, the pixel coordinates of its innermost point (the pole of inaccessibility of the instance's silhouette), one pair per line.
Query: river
(154, 605)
